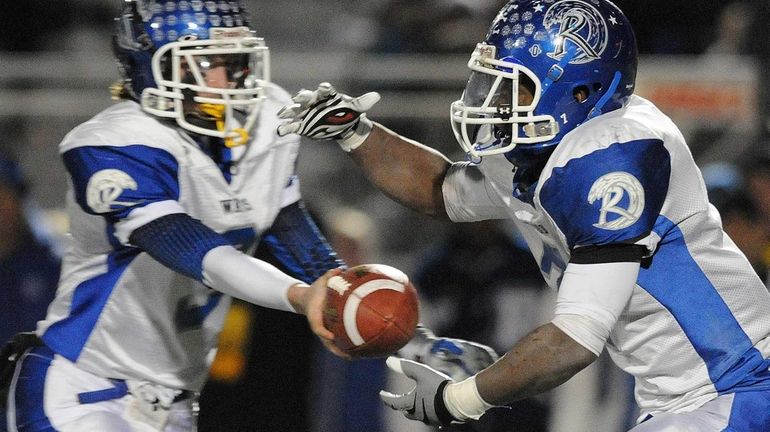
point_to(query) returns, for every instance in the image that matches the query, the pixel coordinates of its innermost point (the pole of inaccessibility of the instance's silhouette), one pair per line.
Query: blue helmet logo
(578, 23)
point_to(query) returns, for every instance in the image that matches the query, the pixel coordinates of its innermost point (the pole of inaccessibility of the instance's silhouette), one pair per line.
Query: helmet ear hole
(581, 93)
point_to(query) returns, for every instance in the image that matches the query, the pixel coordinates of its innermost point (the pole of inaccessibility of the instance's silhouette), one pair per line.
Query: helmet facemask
(495, 115)
(211, 87)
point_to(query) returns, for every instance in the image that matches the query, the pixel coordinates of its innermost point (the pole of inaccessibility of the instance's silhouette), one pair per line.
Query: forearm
(405, 170)
(192, 249)
(542, 360)
(234, 273)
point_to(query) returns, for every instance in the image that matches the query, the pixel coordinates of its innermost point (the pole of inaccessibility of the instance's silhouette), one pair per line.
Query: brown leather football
(372, 309)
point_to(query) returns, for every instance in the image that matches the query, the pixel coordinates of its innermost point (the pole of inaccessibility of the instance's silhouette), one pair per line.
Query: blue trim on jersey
(154, 171)
(68, 336)
(227, 161)
(29, 393)
(750, 412)
(564, 194)
(676, 281)
(295, 240)
(111, 238)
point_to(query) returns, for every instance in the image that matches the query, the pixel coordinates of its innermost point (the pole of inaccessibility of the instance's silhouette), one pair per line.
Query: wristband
(463, 400)
(357, 135)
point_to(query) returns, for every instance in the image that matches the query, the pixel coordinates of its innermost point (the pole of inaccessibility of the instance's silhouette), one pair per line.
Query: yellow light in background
(230, 363)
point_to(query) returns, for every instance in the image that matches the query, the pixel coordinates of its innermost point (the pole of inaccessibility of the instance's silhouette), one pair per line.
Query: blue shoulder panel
(612, 195)
(114, 180)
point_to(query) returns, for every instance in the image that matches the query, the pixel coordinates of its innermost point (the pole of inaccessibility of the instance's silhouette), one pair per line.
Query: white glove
(325, 114)
(153, 394)
(425, 402)
(457, 358)
(151, 403)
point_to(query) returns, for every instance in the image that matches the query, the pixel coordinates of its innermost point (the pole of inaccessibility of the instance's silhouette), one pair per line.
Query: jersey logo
(580, 24)
(104, 188)
(611, 189)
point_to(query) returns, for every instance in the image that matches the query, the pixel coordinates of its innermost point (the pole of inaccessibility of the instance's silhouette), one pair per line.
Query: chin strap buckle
(541, 129)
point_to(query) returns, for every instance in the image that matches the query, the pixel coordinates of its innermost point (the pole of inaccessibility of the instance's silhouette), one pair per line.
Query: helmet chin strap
(597, 109)
(217, 113)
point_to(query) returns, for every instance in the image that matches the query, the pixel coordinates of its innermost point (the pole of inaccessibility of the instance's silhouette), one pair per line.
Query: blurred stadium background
(704, 63)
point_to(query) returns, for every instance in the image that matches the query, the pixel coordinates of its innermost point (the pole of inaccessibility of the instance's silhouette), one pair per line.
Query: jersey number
(190, 314)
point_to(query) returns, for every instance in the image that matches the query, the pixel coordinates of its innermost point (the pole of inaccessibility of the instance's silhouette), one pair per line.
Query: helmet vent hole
(597, 87)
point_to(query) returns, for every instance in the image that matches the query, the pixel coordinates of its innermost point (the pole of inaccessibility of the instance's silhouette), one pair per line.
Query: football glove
(457, 358)
(425, 402)
(325, 114)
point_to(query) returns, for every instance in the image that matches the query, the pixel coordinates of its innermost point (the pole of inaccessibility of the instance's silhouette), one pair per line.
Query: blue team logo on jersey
(578, 23)
(104, 188)
(622, 200)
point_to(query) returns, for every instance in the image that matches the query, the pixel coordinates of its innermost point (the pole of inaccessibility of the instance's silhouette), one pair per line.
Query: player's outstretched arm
(542, 360)
(405, 170)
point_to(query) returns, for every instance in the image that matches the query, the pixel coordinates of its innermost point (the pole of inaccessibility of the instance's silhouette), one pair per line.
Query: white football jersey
(697, 324)
(119, 313)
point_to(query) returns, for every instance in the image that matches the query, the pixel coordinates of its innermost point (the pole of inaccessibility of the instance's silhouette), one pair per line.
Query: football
(372, 309)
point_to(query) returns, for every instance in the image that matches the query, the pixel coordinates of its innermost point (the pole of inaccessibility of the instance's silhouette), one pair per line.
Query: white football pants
(47, 395)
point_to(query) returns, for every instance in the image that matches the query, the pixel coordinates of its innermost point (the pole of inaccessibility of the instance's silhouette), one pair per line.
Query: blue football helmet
(553, 50)
(170, 52)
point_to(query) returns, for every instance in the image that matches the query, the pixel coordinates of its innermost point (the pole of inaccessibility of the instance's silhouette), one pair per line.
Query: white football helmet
(195, 62)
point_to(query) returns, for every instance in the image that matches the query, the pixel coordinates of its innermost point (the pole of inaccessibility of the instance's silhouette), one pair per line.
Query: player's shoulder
(119, 125)
(623, 155)
(276, 97)
(638, 121)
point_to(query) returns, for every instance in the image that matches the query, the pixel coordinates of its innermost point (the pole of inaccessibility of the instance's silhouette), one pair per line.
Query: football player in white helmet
(612, 205)
(170, 191)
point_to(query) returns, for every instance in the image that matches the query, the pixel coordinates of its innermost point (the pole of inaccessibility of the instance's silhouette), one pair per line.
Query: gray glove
(425, 402)
(325, 114)
(457, 358)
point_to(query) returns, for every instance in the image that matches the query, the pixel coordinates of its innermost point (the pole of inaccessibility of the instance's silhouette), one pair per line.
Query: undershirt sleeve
(591, 298)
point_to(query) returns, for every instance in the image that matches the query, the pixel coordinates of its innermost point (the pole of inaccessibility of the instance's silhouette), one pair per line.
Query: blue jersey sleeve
(612, 195)
(298, 246)
(112, 181)
(179, 242)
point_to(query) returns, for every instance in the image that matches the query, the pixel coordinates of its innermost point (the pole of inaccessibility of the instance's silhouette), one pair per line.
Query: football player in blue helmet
(613, 208)
(573, 59)
(196, 62)
(171, 190)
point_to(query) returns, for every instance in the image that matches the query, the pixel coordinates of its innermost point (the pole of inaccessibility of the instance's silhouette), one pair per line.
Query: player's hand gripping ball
(372, 309)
